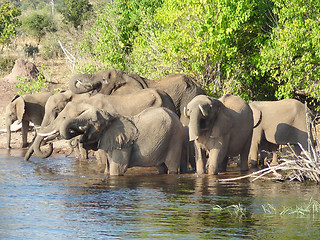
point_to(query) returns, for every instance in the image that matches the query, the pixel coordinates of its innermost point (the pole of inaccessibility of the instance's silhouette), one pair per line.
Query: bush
(50, 47)
(27, 85)
(38, 25)
(30, 50)
(6, 64)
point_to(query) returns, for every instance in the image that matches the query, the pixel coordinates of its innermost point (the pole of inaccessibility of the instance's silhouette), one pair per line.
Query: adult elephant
(278, 123)
(54, 105)
(27, 108)
(223, 127)
(127, 105)
(127, 141)
(179, 87)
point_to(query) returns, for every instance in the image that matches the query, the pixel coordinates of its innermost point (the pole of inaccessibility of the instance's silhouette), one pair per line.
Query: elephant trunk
(80, 83)
(194, 126)
(37, 147)
(73, 127)
(8, 136)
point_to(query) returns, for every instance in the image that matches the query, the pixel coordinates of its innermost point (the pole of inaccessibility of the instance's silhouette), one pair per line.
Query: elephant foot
(172, 172)
(25, 145)
(273, 163)
(254, 164)
(162, 169)
(212, 170)
(101, 168)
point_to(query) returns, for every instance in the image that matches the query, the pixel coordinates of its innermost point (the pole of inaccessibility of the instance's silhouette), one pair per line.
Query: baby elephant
(26, 108)
(154, 137)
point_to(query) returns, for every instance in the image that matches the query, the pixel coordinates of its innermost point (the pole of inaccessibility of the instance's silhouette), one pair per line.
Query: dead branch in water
(301, 168)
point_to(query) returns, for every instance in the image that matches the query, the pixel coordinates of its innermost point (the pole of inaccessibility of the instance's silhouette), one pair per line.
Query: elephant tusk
(87, 86)
(203, 111)
(82, 128)
(47, 134)
(185, 112)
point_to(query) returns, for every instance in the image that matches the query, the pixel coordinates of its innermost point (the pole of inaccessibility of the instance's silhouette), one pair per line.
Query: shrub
(27, 85)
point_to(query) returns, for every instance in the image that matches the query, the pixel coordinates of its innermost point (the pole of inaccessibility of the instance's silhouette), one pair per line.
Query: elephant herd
(169, 123)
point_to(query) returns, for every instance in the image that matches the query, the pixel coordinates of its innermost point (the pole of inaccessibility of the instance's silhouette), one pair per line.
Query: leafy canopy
(291, 55)
(8, 22)
(76, 12)
(37, 24)
(257, 49)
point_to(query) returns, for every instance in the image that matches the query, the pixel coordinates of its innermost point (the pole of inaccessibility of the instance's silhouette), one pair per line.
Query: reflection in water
(65, 198)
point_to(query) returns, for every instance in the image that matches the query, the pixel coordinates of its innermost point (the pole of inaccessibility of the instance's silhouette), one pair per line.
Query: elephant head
(82, 83)
(53, 107)
(14, 111)
(207, 117)
(100, 130)
(107, 82)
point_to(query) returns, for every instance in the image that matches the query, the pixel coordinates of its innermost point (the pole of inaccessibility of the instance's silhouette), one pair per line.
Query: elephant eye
(104, 80)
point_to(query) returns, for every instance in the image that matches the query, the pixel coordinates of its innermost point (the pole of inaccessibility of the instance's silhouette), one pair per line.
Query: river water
(65, 198)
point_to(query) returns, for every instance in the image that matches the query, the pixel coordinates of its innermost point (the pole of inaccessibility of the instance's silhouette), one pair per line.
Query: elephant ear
(15, 97)
(120, 134)
(20, 108)
(222, 124)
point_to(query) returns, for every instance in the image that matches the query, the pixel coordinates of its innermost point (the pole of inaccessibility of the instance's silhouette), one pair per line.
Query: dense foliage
(257, 49)
(8, 21)
(38, 24)
(76, 11)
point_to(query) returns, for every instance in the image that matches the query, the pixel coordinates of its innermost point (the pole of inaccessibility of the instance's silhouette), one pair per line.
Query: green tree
(38, 24)
(292, 54)
(112, 37)
(76, 12)
(215, 41)
(8, 22)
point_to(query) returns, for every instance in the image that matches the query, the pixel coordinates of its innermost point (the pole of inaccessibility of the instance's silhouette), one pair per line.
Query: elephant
(127, 105)
(27, 108)
(222, 127)
(154, 137)
(54, 105)
(278, 123)
(179, 87)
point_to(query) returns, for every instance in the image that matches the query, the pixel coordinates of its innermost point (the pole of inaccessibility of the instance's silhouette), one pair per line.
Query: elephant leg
(82, 151)
(162, 168)
(101, 157)
(191, 156)
(24, 132)
(244, 156)
(119, 161)
(223, 165)
(174, 155)
(184, 158)
(254, 155)
(8, 136)
(274, 149)
(297, 150)
(107, 168)
(199, 155)
(216, 157)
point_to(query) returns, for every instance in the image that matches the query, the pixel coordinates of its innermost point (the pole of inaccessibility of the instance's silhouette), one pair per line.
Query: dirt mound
(22, 69)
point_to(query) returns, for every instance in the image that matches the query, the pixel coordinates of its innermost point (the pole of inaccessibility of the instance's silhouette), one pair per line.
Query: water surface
(65, 198)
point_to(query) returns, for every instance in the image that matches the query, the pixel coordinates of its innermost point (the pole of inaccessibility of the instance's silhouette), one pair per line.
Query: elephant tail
(256, 123)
